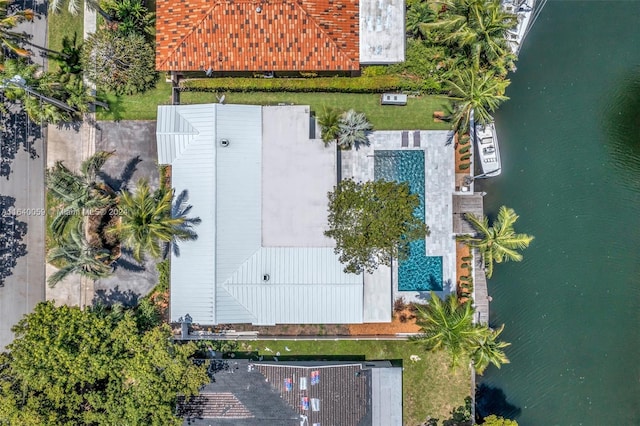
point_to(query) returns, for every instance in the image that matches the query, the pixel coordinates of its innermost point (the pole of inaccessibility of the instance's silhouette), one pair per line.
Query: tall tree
(373, 222)
(79, 257)
(147, 221)
(119, 64)
(481, 92)
(497, 243)
(73, 367)
(73, 6)
(476, 30)
(489, 350)
(329, 121)
(78, 191)
(448, 325)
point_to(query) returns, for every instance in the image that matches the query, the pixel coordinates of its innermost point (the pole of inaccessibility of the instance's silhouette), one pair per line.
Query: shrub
(465, 156)
(377, 84)
(399, 305)
(465, 278)
(119, 64)
(164, 275)
(465, 139)
(467, 258)
(464, 166)
(374, 70)
(465, 266)
(464, 149)
(403, 318)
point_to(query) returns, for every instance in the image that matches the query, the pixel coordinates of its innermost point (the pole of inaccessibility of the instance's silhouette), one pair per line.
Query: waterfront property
(245, 36)
(258, 177)
(291, 393)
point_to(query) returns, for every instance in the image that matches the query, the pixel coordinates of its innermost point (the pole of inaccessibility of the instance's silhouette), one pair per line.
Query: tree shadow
(490, 400)
(19, 133)
(116, 108)
(109, 297)
(69, 125)
(622, 127)
(181, 209)
(121, 183)
(127, 262)
(40, 8)
(12, 232)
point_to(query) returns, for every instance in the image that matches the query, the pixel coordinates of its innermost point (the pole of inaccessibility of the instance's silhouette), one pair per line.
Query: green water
(570, 144)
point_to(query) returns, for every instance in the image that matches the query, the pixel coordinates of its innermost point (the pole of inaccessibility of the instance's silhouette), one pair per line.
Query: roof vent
(266, 277)
(258, 9)
(224, 142)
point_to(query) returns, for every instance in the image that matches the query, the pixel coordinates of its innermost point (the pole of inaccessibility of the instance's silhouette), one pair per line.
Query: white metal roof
(219, 278)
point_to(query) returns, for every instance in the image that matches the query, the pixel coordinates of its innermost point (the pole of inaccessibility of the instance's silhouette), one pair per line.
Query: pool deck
(439, 187)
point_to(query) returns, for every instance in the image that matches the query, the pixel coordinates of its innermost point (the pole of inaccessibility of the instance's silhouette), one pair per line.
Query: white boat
(524, 10)
(486, 140)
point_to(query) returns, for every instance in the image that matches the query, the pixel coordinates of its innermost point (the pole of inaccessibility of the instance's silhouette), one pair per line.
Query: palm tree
(8, 22)
(79, 257)
(480, 92)
(489, 350)
(448, 325)
(73, 6)
(354, 129)
(498, 243)
(329, 121)
(419, 14)
(78, 192)
(477, 29)
(147, 223)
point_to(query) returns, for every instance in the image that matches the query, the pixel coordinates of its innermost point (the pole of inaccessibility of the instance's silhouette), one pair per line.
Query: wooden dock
(472, 203)
(480, 292)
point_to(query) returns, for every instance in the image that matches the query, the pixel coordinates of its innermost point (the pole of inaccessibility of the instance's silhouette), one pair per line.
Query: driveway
(136, 157)
(134, 143)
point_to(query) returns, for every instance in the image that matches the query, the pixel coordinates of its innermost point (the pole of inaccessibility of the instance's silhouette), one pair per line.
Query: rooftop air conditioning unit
(224, 142)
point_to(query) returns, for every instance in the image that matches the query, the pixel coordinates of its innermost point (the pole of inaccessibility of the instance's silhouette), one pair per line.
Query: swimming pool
(418, 272)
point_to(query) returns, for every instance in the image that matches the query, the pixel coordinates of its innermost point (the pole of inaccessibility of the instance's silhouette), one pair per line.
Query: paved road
(22, 167)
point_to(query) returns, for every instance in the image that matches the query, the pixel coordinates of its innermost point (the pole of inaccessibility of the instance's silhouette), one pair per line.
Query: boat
(486, 141)
(524, 10)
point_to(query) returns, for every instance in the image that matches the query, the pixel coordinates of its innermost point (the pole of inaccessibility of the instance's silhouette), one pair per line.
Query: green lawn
(60, 25)
(143, 106)
(430, 387)
(416, 115)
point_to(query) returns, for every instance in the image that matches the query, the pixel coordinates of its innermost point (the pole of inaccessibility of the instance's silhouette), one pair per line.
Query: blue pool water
(419, 272)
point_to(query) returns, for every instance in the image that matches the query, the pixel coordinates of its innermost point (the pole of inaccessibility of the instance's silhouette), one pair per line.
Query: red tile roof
(232, 35)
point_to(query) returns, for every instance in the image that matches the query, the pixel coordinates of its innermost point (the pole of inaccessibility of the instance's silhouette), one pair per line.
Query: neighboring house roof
(220, 277)
(245, 393)
(245, 35)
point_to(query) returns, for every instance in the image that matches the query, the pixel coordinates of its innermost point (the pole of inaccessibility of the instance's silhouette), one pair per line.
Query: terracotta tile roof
(231, 35)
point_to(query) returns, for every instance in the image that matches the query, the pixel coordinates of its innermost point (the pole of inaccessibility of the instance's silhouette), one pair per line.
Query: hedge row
(372, 84)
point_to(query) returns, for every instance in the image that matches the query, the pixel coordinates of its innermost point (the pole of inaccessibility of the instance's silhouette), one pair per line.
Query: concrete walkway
(72, 145)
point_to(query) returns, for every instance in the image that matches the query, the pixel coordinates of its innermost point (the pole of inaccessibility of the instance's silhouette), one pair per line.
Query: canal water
(570, 145)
